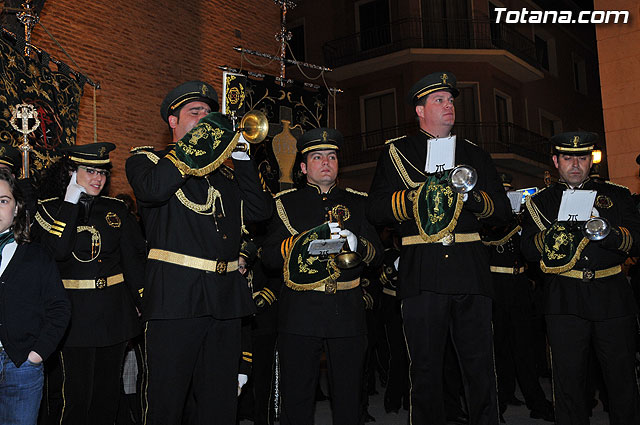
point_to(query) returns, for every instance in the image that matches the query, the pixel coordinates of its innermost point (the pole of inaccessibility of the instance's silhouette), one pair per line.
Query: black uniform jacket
(34, 309)
(265, 284)
(177, 217)
(511, 283)
(597, 299)
(315, 313)
(92, 243)
(462, 268)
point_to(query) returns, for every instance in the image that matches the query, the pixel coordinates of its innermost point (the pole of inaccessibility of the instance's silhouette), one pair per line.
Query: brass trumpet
(346, 259)
(254, 126)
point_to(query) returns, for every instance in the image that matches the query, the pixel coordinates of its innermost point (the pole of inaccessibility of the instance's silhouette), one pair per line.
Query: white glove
(238, 155)
(74, 190)
(335, 230)
(465, 197)
(396, 263)
(336, 233)
(351, 238)
(242, 379)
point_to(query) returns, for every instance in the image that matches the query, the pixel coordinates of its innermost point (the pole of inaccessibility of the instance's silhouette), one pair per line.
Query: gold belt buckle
(448, 239)
(221, 267)
(331, 287)
(101, 283)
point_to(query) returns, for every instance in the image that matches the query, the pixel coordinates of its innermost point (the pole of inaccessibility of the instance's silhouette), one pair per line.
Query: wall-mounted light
(597, 156)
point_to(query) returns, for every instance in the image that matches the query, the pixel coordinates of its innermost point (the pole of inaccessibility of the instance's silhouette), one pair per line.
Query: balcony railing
(492, 137)
(424, 33)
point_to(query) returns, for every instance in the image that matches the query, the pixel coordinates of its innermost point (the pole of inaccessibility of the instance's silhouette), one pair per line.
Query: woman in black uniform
(100, 254)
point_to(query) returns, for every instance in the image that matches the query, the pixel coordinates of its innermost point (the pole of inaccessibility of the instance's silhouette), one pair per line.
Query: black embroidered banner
(55, 95)
(291, 110)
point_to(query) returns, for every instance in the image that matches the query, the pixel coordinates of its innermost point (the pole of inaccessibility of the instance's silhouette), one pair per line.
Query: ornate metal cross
(25, 112)
(283, 36)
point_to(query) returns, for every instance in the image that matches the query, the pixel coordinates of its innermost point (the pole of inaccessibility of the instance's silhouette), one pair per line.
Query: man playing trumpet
(193, 208)
(321, 304)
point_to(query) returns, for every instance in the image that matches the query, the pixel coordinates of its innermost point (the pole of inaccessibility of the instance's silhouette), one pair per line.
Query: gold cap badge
(575, 141)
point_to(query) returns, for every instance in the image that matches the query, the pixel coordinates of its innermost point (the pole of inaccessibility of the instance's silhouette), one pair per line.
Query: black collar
(316, 187)
(580, 186)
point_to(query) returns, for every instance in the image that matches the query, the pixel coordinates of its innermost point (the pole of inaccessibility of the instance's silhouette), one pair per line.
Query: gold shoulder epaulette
(42, 201)
(141, 148)
(284, 191)
(470, 142)
(616, 184)
(115, 199)
(386, 142)
(539, 191)
(348, 189)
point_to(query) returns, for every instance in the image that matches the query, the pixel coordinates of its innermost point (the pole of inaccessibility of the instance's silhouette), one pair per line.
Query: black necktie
(86, 201)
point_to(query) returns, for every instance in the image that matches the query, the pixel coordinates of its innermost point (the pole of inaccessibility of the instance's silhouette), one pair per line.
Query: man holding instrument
(193, 208)
(445, 282)
(589, 301)
(321, 304)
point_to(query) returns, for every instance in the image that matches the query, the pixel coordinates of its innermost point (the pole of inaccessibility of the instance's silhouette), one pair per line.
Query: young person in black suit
(34, 309)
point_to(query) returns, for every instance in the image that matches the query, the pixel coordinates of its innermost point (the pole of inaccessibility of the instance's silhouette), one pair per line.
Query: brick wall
(139, 50)
(619, 57)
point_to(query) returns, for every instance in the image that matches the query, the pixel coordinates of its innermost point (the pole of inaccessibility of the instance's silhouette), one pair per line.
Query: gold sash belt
(99, 283)
(592, 274)
(507, 270)
(459, 238)
(340, 286)
(220, 267)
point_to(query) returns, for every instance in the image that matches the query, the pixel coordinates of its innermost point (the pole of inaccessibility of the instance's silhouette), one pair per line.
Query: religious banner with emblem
(205, 146)
(436, 208)
(233, 94)
(55, 95)
(303, 271)
(563, 243)
(291, 110)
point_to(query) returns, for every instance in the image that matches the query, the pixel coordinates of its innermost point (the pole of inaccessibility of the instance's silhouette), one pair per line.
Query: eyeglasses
(93, 171)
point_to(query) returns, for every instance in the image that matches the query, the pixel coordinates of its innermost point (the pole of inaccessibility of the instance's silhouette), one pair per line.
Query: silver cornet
(596, 229)
(463, 178)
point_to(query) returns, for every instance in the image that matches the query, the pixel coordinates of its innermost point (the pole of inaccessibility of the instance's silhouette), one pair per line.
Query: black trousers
(83, 385)
(264, 347)
(570, 338)
(428, 319)
(515, 358)
(300, 359)
(398, 369)
(201, 354)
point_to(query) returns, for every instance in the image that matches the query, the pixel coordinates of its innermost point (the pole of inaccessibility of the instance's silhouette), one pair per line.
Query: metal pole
(29, 19)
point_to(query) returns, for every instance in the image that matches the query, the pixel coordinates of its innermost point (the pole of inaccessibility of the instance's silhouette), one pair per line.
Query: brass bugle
(254, 126)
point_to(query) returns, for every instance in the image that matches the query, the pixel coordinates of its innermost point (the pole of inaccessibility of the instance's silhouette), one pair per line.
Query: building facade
(619, 58)
(520, 83)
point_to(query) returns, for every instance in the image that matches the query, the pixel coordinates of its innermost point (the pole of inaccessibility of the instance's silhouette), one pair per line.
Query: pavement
(515, 415)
